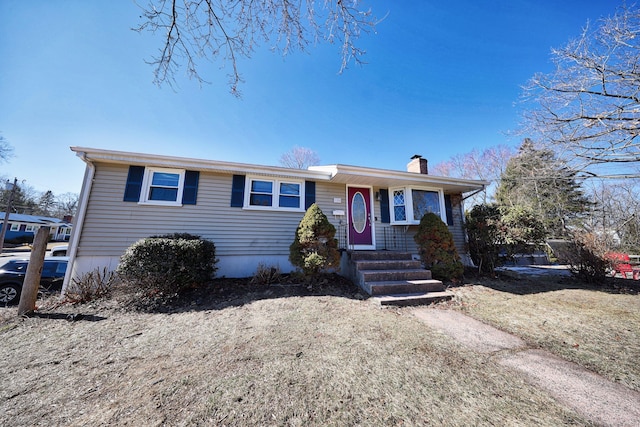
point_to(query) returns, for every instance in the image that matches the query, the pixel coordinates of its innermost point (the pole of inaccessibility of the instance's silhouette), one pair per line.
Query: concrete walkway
(592, 396)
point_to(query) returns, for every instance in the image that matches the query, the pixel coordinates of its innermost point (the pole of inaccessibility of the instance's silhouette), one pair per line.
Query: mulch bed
(225, 292)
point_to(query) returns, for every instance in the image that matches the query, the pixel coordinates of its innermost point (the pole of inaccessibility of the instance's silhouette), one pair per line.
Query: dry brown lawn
(596, 327)
(262, 358)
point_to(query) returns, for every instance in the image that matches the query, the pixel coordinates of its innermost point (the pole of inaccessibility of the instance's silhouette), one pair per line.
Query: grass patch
(598, 328)
(291, 361)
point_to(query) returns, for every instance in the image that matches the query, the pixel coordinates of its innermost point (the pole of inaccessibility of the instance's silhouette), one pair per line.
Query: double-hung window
(274, 194)
(289, 195)
(410, 204)
(261, 193)
(162, 186)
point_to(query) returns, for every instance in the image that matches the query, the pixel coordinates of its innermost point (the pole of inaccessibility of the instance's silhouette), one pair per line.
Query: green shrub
(314, 247)
(168, 264)
(522, 231)
(437, 249)
(493, 230)
(25, 238)
(483, 231)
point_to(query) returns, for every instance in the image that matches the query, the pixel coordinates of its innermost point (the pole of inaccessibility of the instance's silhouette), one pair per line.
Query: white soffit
(354, 175)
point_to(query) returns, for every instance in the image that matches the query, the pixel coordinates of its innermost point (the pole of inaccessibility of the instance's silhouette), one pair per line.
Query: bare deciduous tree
(486, 165)
(216, 29)
(299, 158)
(66, 204)
(588, 110)
(6, 150)
(615, 211)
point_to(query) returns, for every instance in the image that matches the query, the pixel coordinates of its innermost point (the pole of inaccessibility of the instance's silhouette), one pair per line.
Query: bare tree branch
(6, 150)
(225, 31)
(486, 165)
(588, 110)
(299, 158)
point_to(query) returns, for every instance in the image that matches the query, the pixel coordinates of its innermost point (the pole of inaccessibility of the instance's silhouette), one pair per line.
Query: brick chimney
(418, 164)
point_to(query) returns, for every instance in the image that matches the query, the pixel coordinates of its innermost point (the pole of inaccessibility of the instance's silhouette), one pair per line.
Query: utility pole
(7, 211)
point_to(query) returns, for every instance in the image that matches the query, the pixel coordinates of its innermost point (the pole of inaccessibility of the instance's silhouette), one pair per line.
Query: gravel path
(600, 400)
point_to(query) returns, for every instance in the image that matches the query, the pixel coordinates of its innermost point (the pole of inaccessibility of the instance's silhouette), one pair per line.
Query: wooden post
(31, 283)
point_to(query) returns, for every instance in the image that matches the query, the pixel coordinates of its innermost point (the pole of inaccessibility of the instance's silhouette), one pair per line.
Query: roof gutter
(129, 158)
(78, 222)
(484, 187)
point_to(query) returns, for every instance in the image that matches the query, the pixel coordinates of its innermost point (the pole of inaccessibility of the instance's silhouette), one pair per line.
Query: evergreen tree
(484, 230)
(536, 180)
(314, 247)
(437, 249)
(47, 203)
(22, 203)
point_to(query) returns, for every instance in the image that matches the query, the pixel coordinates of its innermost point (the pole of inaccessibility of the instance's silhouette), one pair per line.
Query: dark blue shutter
(134, 184)
(237, 191)
(309, 193)
(385, 216)
(190, 191)
(448, 208)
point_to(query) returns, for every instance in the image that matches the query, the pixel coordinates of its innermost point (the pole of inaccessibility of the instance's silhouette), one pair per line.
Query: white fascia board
(123, 157)
(348, 174)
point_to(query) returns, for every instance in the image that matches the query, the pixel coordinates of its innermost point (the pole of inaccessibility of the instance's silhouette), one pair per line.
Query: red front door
(360, 216)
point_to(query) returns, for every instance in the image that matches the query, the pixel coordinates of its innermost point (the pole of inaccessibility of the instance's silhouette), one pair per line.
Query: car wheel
(9, 294)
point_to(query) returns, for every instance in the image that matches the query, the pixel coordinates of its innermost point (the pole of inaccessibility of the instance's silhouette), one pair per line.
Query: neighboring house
(21, 226)
(249, 211)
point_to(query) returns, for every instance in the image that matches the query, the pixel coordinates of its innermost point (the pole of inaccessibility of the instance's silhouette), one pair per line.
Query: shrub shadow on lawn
(222, 293)
(532, 284)
(69, 317)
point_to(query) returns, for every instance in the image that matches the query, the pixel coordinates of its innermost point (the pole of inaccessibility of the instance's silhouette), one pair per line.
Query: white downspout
(79, 219)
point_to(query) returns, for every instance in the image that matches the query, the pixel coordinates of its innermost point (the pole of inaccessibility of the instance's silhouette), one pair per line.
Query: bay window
(409, 204)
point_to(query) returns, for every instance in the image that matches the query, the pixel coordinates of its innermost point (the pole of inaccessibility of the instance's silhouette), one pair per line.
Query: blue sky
(442, 78)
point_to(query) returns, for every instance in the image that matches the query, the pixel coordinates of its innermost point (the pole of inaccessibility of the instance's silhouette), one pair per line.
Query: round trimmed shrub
(437, 249)
(168, 264)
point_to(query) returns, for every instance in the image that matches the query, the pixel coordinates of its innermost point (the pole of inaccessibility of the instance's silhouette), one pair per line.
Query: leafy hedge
(168, 264)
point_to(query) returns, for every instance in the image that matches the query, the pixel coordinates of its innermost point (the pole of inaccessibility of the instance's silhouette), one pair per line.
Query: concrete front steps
(395, 278)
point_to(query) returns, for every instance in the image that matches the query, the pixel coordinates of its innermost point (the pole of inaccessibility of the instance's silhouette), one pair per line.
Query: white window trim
(15, 227)
(146, 187)
(408, 203)
(31, 228)
(275, 196)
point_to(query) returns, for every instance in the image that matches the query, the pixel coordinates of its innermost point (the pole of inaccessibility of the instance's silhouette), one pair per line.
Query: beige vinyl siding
(111, 225)
(457, 229)
(327, 195)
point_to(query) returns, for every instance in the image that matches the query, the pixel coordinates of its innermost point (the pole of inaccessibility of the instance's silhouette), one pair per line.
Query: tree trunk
(34, 272)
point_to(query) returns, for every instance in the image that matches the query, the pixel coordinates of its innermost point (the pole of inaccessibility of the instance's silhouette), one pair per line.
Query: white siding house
(250, 211)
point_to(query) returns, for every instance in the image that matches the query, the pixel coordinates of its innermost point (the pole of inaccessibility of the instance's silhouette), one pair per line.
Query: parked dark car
(13, 270)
